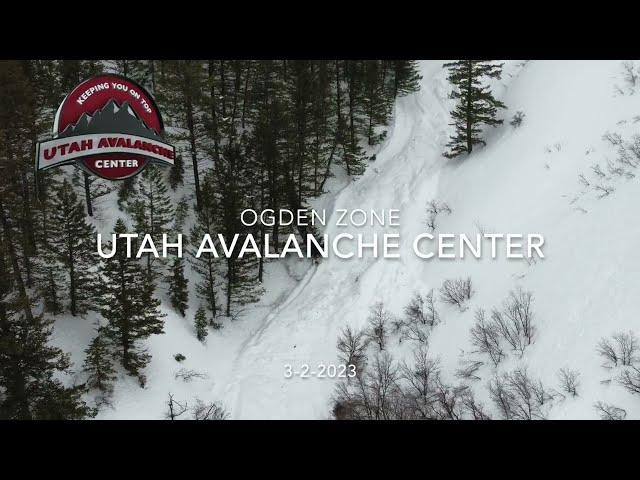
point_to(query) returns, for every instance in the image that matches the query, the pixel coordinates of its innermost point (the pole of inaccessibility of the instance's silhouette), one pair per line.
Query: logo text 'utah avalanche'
(108, 125)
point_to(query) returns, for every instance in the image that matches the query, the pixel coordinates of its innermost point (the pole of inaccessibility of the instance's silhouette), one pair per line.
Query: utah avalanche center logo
(108, 125)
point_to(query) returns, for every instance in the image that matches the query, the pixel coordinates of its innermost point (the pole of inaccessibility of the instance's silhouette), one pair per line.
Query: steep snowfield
(524, 181)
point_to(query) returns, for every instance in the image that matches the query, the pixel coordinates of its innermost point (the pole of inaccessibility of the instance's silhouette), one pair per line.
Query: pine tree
(476, 104)
(152, 211)
(376, 106)
(128, 305)
(176, 175)
(207, 266)
(29, 367)
(71, 242)
(99, 367)
(180, 94)
(241, 284)
(200, 323)
(406, 78)
(178, 292)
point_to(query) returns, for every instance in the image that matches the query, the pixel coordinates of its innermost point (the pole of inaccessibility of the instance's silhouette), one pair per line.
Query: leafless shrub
(597, 170)
(627, 346)
(420, 395)
(606, 349)
(378, 325)
(621, 349)
(411, 391)
(631, 76)
(175, 408)
(518, 397)
(583, 180)
(187, 375)
(569, 381)
(456, 292)
(617, 170)
(610, 412)
(517, 119)
(613, 138)
(375, 395)
(420, 317)
(474, 408)
(208, 411)
(352, 347)
(515, 322)
(469, 369)
(630, 379)
(421, 309)
(433, 210)
(485, 336)
(603, 190)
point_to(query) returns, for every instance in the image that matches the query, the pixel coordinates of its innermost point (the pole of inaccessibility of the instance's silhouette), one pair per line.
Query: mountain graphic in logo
(108, 126)
(112, 118)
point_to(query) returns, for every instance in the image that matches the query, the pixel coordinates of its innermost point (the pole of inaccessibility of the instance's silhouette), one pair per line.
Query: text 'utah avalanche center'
(109, 126)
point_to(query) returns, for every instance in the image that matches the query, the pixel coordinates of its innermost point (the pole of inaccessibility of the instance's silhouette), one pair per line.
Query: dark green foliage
(127, 303)
(152, 211)
(178, 292)
(29, 387)
(176, 175)
(99, 366)
(406, 78)
(201, 323)
(207, 266)
(71, 246)
(476, 105)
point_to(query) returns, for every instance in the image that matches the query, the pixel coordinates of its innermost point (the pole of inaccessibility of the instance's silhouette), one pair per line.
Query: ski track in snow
(314, 309)
(523, 181)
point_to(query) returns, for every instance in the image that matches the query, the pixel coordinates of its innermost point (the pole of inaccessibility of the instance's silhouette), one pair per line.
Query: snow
(524, 181)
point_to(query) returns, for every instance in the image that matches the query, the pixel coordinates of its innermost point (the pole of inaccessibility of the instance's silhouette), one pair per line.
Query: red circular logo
(108, 125)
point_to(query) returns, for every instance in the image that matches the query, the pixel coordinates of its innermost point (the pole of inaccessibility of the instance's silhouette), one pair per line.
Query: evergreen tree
(200, 323)
(152, 211)
(180, 94)
(71, 242)
(128, 305)
(206, 265)
(241, 284)
(176, 175)
(376, 106)
(406, 77)
(99, 366)
(476, 104)
(29, 367)
(178, 292)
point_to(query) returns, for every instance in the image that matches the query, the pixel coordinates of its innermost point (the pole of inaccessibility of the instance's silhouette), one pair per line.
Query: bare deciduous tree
(187, 375)
(175, 408)
(420, 317)
(433, 210)
(610, 412)
(515, 321)
(208, 411)
(517, 396)
(485, 336)
(378, 330)
(630, 379)
(456, 292)
(352, 347)
(621, 349)
(569, 381)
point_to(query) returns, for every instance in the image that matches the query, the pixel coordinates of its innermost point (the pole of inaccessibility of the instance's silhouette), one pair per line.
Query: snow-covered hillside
(526, 180)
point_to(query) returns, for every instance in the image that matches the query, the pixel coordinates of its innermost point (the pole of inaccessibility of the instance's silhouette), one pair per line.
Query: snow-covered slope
(524, 181)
